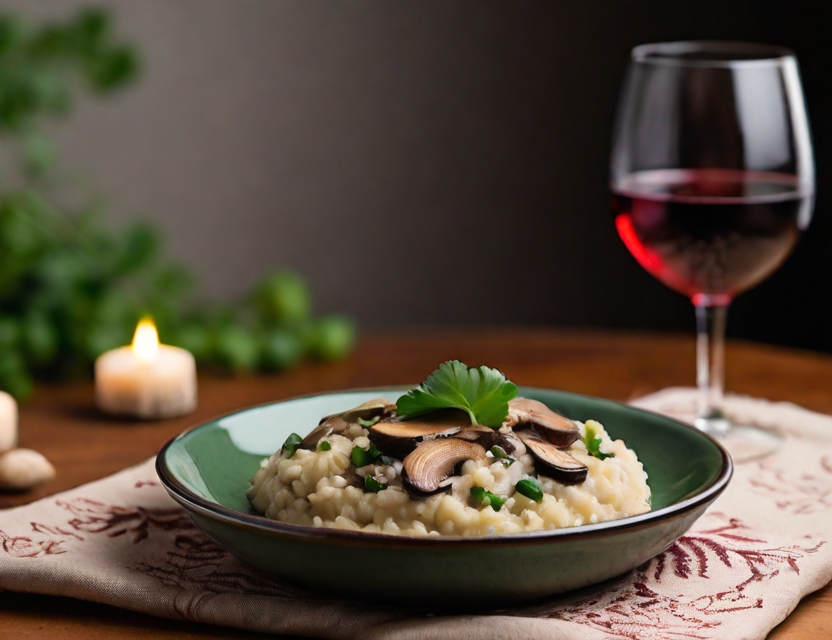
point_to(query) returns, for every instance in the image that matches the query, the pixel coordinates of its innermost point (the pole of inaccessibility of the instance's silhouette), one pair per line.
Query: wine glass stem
(710, 367)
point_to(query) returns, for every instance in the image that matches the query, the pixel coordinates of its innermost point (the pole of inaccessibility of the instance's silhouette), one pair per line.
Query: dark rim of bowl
(190, 500)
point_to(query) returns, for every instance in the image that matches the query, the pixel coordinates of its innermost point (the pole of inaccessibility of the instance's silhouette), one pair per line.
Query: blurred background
(420, 163)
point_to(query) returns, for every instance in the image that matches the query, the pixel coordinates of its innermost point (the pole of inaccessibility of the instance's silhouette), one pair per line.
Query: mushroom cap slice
(330, 425)
(557, 429)
(369, 410)
(338, 422)
(486, 437)
(366, 411)
(425, 468)
(551, 461)
(397, 439)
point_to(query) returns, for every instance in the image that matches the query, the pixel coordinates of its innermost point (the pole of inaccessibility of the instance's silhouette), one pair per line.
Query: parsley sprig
(482, 392)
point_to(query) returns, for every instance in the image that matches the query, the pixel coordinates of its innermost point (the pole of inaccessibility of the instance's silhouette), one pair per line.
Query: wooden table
(62, 423)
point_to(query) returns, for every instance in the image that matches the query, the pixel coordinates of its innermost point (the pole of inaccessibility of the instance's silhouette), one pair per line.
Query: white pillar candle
(146, 380)
(8, 422)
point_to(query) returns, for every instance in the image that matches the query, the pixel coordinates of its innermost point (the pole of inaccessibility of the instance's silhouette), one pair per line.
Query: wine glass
(712, 181)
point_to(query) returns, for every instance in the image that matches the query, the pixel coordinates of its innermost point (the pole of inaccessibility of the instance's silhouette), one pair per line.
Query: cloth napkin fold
(742, 568)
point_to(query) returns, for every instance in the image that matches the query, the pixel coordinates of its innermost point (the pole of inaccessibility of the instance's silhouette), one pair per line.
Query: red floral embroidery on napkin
(640, 606)
(25, 547)
(189, 560)
(796, 491)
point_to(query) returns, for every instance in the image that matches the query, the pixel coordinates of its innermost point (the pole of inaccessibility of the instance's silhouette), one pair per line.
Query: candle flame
(146, 340)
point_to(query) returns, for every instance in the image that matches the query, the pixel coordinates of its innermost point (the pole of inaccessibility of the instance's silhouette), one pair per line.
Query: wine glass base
(746, 443)
(715, 425)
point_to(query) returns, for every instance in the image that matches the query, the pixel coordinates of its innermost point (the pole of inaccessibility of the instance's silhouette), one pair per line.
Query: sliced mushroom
(338, 422)
(330, 425)
(551, 461)
(486, 437)
(557, 429)
(397, 439)
(369, 410)
(428, 465)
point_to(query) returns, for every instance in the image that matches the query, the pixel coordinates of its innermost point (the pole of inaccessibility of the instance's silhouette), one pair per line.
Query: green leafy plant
(482, 392)
(70, 288)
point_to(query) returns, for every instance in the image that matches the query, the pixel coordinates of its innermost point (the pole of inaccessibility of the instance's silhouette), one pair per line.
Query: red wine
(710, 233)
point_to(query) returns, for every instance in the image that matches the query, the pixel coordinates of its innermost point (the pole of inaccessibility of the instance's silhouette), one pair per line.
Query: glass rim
(711, 54)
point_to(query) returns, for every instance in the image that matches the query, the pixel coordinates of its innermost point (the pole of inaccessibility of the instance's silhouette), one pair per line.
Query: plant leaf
(482, 392)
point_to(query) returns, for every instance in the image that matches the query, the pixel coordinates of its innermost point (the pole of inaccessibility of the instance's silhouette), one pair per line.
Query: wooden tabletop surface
(61, 422)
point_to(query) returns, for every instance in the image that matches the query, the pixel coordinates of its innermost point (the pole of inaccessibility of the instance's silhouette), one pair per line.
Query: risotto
(368, 470)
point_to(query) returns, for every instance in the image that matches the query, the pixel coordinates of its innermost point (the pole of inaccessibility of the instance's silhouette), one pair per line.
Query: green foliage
(331, 338)
(481, 392)
(280, 349)
(283, 298)
(71, 288)
(40, 68)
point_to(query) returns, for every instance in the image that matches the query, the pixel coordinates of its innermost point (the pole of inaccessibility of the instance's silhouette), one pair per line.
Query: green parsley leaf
(373, 485)
(593, 444)
(483, 393)
(483, 498)
(291, 444)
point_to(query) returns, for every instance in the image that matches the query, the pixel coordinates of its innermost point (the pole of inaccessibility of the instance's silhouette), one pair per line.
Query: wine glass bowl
(712, 179)
(708, 232)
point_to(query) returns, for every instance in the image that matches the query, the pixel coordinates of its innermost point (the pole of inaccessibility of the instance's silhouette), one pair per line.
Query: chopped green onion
(324, 445)
(362, 457)
(498, 452)
(359, 457)
(483, 498)
(593, 444)
(371, 484)
(386, 460)
(368, 423)
(291, 444)
(530, 488)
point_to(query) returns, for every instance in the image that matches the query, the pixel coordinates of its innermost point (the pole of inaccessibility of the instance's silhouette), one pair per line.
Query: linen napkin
(737, 573)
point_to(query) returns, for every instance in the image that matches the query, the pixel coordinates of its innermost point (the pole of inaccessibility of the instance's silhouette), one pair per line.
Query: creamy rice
(324, 489)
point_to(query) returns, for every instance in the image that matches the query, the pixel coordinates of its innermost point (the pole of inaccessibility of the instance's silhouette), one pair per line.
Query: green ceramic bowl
(207, 470)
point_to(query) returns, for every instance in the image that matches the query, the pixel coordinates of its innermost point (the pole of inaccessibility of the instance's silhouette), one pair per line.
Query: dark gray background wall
(422, 162)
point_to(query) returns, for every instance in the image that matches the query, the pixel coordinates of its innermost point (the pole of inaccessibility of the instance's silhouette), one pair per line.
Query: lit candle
(147, 379)
(8, 422)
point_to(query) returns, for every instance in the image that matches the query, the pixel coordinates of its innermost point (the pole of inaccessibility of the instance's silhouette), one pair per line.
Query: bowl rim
(188, 499)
